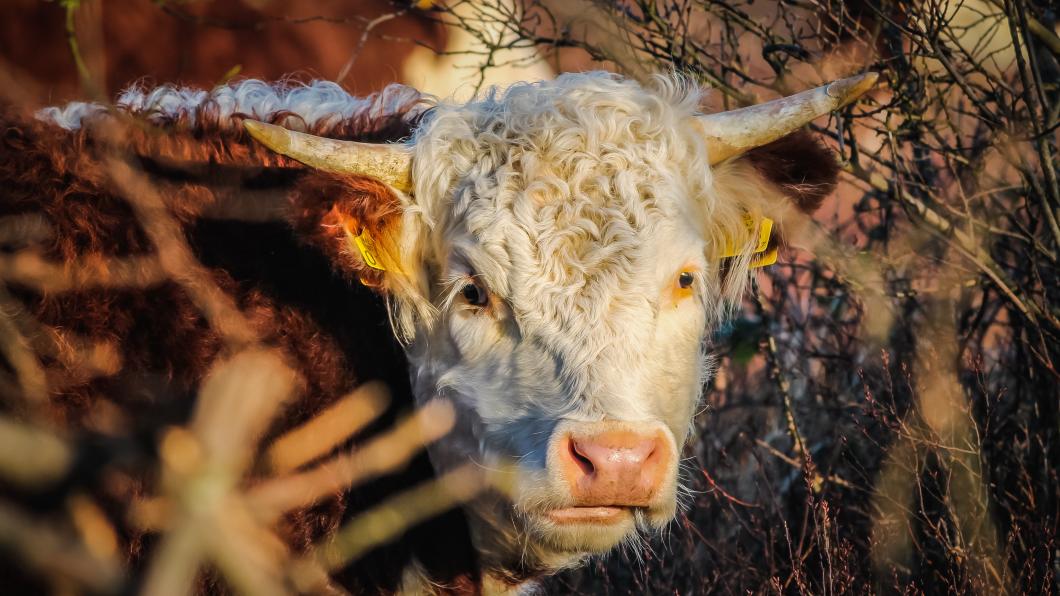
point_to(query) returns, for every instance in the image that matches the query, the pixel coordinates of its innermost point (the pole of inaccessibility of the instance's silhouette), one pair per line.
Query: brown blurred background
(365, 44)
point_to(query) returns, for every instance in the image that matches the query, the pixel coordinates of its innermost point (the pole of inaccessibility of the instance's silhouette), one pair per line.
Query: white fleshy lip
(603, 515)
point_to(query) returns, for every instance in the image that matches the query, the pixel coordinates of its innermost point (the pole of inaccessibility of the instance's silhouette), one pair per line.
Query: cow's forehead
(572, 186)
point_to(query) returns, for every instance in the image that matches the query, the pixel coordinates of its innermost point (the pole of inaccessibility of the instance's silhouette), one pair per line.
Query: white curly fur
(316, 105)
(576, 202)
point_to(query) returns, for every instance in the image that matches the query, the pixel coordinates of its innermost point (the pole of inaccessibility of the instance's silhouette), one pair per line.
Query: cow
(551, 259)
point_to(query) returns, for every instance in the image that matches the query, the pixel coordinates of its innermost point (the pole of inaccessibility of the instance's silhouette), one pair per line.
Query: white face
(571, 288)
(543, 362)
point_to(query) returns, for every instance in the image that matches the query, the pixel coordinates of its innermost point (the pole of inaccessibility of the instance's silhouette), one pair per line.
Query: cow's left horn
(731, 133)
(387, 163)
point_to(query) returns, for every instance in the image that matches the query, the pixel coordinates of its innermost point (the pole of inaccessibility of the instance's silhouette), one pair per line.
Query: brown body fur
(299, 291)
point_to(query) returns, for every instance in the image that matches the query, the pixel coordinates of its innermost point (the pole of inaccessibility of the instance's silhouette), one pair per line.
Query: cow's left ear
(798, 166)
(769, 186)
(766, 166)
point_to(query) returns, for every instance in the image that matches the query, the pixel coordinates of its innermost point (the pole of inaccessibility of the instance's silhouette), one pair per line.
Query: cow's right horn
(387, 163)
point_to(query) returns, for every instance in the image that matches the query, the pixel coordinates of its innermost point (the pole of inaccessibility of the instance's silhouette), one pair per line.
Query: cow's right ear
(347, 204)
(355, 221)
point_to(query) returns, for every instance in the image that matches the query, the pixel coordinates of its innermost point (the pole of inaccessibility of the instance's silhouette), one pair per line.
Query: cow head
(555, 257)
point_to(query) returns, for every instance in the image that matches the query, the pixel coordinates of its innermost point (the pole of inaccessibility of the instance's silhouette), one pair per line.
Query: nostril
(652, 451)
(580, 458)
(655, 451)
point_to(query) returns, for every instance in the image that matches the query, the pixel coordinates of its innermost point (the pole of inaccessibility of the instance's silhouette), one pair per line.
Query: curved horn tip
(847, 90)
(390, 164)
(274, 137)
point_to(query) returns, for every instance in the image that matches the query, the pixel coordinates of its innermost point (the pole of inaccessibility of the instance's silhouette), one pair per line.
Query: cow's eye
(475, 294)
(685, 280)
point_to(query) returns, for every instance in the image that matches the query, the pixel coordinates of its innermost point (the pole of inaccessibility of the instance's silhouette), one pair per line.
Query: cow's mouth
(602, 515)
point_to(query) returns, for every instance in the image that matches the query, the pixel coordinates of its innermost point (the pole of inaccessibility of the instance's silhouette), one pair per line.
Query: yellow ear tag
(765, 230)
(765, 259)
(366, 246)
